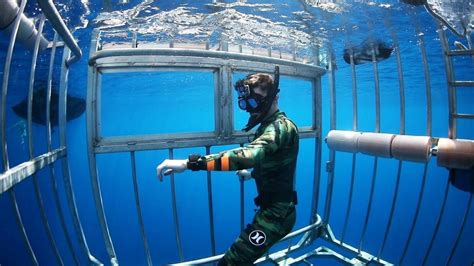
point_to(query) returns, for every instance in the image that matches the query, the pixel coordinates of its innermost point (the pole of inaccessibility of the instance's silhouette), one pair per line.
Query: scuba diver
(272, 155)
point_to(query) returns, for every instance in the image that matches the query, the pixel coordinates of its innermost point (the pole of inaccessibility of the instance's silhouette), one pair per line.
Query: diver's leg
(268, 227)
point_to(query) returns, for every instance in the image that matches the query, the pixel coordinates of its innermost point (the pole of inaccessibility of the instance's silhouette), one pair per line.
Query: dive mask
(248, 100)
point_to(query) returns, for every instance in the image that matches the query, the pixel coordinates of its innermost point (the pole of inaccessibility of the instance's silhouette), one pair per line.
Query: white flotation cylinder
(376, 144)
(341, 140)
(457, 154)
(411, 148)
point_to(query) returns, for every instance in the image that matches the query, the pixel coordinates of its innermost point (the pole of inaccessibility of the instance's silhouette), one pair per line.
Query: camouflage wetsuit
(272, 155)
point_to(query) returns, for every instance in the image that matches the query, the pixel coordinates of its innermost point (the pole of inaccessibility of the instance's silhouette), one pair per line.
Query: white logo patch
(257, 237)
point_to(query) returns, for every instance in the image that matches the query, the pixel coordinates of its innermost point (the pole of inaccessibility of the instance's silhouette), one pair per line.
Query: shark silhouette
(75, 107)
(363, 52)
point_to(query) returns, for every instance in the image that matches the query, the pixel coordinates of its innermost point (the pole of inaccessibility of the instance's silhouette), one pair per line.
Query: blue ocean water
(176, 102)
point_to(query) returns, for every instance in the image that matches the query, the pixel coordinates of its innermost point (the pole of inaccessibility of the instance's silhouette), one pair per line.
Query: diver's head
(257, 94)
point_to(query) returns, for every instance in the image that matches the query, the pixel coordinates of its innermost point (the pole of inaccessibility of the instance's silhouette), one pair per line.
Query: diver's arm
(168, 167)
(240, 158)
(236, 159)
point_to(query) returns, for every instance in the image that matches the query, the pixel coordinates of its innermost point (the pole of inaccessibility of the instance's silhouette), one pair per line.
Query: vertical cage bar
(139, 210)
(369, 207)
(96, 191)
(377, 130)
(423, 182)
(355, 114)
(461, 230)
(30, 88)
(71, 199)
(211, 207)
(218, 88)
(19, 221)
(428, 131)
(427, 83)
(392, 210)
(39, 197)
(3, 106)
(332, 153)
(415, 218)
(175, 212)
(354, 156)
(242, 195)
(450, 77)
(317, 124)
(438, 223)
(377, 90)
(402, 132)
(93, 120)
(48, 93)
(52, 173)
(401, 81)
(6, 77)
(316, 90)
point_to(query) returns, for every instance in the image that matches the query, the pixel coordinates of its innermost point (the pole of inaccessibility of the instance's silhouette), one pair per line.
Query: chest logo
(257, 237)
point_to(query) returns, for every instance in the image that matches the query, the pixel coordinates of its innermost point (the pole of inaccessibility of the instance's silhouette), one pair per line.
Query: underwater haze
(142, 103)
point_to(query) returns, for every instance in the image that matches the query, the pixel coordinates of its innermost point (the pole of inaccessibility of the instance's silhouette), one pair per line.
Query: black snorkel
(257, 119)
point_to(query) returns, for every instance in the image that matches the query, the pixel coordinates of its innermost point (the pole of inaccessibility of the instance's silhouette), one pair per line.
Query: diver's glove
(170, 167)
(244, 174)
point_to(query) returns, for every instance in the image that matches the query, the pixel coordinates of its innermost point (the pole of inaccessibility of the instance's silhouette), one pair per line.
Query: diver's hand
(243, 174)
(170, 167)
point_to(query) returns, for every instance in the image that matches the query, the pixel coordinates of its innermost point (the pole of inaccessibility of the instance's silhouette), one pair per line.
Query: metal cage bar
(93, 96)
(3, 106)
(55, 19)
(242, 197)
(377, 130)
(317, 124)
(39, 197)
(415, 218)
(427, 84)
(175, 212)
(96, 191)
(402, 132)
(438, 223)
(6, 77)
(354, 156)
(19, 221)
(452, 131)
(211, 207)
(461, 230)
(362, 258)
(139, 211)
(316, 93)
(66, 171)
(52, 172)
(429, 132)
(332, 153)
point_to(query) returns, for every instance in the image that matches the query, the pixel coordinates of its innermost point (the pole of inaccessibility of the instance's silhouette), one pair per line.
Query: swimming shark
(75, 107)
(363, 52)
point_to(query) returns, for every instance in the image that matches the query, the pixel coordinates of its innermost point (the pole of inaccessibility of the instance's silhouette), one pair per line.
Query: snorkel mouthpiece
(255, 104)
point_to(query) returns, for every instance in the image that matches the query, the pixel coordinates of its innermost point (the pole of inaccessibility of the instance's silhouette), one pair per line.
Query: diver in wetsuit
(272, 155)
